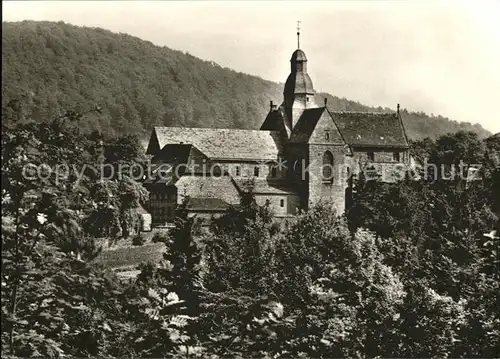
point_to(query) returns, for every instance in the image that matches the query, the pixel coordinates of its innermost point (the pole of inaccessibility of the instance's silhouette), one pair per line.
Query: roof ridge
(363, 112)
(211, 129)
(403, 127)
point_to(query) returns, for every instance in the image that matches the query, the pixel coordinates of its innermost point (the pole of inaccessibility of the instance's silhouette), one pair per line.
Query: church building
(304, 153)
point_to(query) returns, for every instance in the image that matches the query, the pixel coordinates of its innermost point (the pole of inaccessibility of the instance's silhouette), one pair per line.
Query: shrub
(159, 237)
(138, 240)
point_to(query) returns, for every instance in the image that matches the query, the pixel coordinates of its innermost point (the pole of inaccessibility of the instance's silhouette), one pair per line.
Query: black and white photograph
(250, 179)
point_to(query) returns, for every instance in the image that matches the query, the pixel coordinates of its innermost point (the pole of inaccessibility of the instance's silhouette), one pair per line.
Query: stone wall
(384, 164)
(329, 191)
(282, 204)
(297, 160)
(247, 170)
(381, 154)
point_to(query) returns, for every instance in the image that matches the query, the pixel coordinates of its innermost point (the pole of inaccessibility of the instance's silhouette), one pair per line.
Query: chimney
(326, 100)
(398, 109)
(272, 106)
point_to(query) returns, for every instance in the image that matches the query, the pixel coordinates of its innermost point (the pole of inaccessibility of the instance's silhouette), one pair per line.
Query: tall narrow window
(237, 171)
(371, 156)
(273, 172)
(256, 171)
(396, 157)
(282, 203)
(327, 135)
(327, 167)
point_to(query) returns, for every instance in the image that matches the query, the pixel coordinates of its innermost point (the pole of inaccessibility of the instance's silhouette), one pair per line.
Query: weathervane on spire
(298, 34)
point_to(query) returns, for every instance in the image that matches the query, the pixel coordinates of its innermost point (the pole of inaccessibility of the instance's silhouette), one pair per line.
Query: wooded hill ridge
(50, 67)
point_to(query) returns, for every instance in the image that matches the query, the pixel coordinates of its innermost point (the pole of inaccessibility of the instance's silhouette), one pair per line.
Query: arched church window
(216, 170)
(327, 167)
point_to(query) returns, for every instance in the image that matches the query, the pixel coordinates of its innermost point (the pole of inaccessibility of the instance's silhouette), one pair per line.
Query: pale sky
(440, 57)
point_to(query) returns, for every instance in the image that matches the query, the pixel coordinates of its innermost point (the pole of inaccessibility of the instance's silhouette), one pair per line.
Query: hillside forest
(48, 67)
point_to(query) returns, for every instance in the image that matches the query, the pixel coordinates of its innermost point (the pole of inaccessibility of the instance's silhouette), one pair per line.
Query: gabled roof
(175, 153)
(306, 124)
(367, 129)
(220, 143)
(263, 186)
(208, 187)
(274, 121)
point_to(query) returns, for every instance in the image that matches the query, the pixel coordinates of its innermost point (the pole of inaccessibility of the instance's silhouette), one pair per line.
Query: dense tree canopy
(410, 271)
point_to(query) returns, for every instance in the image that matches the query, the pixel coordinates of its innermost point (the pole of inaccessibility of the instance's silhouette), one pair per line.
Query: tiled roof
(273, 122)
(306, 124)
(371, 128)
(207, 186)
(174, 153)
(263, 186)
(224, 143)
(206, 204)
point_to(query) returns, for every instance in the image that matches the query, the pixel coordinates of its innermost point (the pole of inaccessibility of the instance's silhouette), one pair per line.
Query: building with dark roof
(303, 154)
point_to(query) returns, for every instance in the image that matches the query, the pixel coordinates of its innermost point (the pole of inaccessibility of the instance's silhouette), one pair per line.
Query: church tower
(299, 91)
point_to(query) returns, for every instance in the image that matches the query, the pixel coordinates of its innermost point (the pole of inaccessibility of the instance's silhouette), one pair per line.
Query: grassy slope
(125, 258)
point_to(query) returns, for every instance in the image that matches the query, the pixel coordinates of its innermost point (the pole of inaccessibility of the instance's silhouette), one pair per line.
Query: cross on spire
(298, 34)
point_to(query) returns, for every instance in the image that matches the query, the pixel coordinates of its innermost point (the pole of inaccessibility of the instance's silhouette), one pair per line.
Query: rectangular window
(256, 171)
(273, 172)
(237, 170)
(282, 203)
(396, 157)
(371, 156)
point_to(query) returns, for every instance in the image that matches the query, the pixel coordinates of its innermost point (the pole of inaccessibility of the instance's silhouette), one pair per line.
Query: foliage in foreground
(408, 273)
